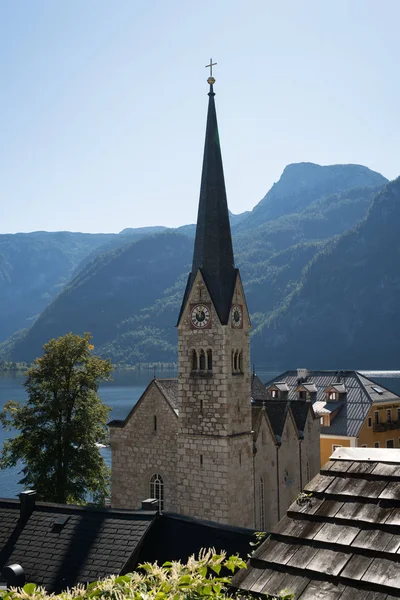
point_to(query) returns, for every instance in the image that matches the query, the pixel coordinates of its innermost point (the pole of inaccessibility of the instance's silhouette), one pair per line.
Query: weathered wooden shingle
(343, 541)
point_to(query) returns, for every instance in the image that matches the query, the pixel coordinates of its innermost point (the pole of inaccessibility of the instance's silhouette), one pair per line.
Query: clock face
(237, 316)
(200, 316)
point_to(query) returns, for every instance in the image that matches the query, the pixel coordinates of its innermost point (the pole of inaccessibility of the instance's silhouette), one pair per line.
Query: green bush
(197, 579)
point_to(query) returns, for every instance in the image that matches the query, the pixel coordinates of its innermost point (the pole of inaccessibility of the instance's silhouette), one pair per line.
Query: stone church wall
(310, 449)
(289, 466)
(139, 451)
(265, 479)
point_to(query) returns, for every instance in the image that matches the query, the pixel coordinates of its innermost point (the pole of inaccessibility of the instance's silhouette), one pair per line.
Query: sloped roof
(277, 411)
(300, 410)
(258, 389)
(341, 543)
(93, 543)
(167, 387)
(359, 397)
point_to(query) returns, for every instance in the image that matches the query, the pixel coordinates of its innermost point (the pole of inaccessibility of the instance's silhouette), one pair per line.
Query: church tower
(215, 478)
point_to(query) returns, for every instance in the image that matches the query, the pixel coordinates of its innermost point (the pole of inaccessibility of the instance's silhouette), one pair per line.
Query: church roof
(169, 388)
(340, 542)
(213, 252)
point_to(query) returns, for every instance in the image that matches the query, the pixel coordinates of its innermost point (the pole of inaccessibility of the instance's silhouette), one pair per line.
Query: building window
(202, 360)
(157, 489)
(334, 446)
(194, 361)
(321, 420)
(376, 445)
(376, 418)
(201, 405)
(240, 362)
(274, 393)
(209, 360)
(332, 395)
(240, 457)
(398, 414)
(262, 511)
(389, 415)
(302, 395)
(369, 421)
(389, 443)
(201, 460)
(155, 422)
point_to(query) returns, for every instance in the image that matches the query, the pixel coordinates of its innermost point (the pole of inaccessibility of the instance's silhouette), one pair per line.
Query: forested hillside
(129, 296)
(345, 310)
(34, 267)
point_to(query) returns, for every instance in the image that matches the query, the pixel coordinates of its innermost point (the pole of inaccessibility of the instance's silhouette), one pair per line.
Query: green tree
(60, 423)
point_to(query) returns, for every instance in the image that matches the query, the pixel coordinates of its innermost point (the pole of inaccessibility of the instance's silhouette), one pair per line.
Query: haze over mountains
(317, 255)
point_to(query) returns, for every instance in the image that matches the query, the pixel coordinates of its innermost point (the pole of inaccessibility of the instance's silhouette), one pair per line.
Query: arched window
(157, 489)
(262, 512)
(202, 360)
(209, 360)
(240, 362)
(194, 361)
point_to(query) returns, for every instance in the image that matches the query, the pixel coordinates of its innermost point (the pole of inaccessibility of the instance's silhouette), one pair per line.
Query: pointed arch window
(194, 360)
(262, 506)
(209, 360)
(202, 360)
(157, 489)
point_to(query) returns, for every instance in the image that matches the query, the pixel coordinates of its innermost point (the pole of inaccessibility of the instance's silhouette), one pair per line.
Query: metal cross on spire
(211, 65)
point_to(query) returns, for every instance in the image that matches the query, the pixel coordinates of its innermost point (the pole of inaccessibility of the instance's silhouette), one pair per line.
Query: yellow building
(353, 410)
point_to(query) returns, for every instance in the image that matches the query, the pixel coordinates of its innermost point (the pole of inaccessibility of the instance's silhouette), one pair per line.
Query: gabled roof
(360, 395)
(88, 544)
(300, 410)
(167, 387)
(282, 386)
(258, 389)
(309, 387)
(343, 541)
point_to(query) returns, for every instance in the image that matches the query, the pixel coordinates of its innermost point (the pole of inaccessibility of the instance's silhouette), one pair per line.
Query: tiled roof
(341, 543)
(176, 537)
(169, 387)
(277, 412)
(300, 409)
(359, 397)
(258, 389)
(92, 544)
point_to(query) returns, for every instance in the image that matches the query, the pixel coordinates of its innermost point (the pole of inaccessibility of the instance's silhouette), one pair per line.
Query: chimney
(150, 504)
(27, 505)
(302, 374)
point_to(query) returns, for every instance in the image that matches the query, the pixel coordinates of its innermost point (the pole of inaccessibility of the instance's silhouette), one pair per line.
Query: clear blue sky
(103, 104)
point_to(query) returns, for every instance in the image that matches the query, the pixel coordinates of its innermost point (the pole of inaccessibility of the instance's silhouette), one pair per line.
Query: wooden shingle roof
(341, 542)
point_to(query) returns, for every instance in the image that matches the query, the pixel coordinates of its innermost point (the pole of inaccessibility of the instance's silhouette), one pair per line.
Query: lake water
(121, 395)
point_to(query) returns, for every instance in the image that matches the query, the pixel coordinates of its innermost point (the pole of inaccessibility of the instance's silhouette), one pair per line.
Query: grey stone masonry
(145, 446)
(215, 457)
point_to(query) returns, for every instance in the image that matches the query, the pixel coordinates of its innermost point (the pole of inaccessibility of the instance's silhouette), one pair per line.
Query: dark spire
(213, 253)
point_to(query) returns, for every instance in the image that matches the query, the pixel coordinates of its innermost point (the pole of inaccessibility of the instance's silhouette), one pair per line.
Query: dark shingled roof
(277, 412)
(300, 410)
(176, 537)
(92, 544)
(360, 394)
(213, 253)
(258, 389)
(344, 541)
(169, 387)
